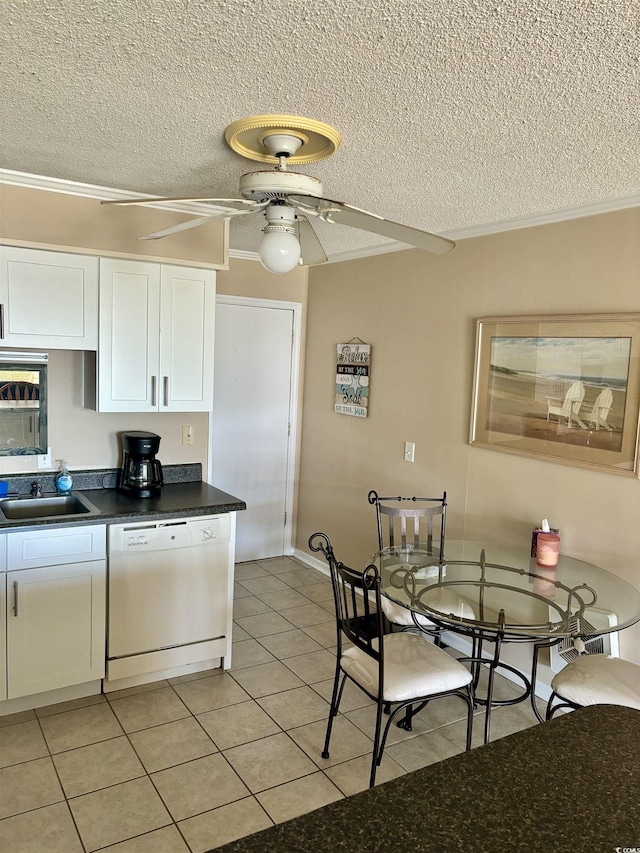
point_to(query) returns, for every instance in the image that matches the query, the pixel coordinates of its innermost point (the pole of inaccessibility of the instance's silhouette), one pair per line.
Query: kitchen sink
(48, 506)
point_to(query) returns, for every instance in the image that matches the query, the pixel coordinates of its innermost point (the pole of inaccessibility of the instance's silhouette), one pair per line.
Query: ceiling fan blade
(310, 247)
(245, 205)
(183, 226)
(345, 214)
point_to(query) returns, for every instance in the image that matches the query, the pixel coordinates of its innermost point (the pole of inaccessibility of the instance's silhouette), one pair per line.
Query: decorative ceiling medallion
(246, 136)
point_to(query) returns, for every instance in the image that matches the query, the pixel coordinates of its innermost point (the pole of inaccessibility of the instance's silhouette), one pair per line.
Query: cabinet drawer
(34, 548)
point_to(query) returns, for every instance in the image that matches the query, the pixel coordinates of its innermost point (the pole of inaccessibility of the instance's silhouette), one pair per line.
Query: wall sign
(352, 378)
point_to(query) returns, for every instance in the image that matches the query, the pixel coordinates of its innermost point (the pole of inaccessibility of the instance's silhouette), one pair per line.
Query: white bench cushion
(599, 680)
(413, 667)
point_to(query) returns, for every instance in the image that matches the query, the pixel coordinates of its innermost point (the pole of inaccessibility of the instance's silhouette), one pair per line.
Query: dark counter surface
(571, 785)
(179, 499)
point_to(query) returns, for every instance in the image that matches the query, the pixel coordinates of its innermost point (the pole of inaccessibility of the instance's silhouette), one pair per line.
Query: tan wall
(89, 439)
(43, 219)
(418, 312)
(250, 278)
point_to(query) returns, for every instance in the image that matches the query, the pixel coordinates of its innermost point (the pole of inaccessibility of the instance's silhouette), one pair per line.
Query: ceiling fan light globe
(279, 251)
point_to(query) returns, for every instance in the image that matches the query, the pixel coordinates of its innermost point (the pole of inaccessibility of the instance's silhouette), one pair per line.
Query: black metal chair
(408, 523)
(403, 671)
(595, 680)
(19, 391)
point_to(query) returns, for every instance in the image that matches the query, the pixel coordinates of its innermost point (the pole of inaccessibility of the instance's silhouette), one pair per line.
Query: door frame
(292, 447)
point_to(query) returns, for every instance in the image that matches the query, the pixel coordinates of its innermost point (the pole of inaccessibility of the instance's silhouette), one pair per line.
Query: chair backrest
(356, 596)
(603, 403)
(410, 521)
(574, 396)
(19, 391)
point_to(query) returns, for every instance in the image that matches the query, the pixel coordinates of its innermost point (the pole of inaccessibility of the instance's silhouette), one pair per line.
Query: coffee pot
(141, 473)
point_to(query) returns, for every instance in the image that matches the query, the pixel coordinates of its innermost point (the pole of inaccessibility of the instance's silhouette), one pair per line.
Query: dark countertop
(571, 785)
(177, 500)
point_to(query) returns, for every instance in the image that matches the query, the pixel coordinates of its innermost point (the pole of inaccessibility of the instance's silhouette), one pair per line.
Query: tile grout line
(234, 674)
(64, 793)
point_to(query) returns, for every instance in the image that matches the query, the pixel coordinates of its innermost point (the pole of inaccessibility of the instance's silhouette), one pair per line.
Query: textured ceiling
(454, 113)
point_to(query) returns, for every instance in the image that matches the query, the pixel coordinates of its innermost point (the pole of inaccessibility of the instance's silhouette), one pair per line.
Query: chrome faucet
(36, 491)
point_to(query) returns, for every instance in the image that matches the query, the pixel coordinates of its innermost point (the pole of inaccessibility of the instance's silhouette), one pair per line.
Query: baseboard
(50, 697)
(312, 562)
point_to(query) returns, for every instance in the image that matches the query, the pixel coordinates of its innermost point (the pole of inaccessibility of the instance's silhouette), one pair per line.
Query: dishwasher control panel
(172, 533)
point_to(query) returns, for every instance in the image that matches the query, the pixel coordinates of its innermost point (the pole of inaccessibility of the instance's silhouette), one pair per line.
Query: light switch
(187, 435)
(409, 451)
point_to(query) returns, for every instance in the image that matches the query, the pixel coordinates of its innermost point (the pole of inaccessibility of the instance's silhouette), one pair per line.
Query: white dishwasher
(170, 593)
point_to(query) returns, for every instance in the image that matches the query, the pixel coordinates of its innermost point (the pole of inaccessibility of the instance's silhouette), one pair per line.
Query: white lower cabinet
(55, 627)
(56, 604)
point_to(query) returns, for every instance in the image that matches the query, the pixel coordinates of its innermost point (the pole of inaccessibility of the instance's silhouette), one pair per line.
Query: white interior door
(251, 435)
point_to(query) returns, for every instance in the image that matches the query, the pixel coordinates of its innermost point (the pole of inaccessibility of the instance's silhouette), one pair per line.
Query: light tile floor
(188, 764)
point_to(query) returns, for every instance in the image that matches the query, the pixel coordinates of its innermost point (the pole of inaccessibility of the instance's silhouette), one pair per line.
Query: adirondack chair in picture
(570, 406)
(601, 409)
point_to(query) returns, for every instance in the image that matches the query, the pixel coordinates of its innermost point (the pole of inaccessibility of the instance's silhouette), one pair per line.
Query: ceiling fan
(287, 198)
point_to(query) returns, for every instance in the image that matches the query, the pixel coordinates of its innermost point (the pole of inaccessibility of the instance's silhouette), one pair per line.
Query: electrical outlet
(409, 451)
(44, 459)
(187, 435)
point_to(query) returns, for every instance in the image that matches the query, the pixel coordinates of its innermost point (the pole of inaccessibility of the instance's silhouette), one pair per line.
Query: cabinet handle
(15, 598)
(153, 390)
(166, 390)
(1, 320)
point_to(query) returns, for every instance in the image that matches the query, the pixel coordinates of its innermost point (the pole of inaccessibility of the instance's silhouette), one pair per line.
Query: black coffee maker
(141, 474)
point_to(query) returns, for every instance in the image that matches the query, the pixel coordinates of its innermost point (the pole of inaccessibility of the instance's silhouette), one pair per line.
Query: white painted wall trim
(296, 308)
(39, 182)
(312, 562)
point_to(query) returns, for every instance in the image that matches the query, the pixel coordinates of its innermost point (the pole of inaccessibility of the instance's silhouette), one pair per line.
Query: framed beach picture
(562, 388)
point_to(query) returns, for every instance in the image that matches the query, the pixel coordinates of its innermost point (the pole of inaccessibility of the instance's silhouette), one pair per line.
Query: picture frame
(564, 388)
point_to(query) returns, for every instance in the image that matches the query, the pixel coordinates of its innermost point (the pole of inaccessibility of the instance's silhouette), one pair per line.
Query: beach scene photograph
(572, 390)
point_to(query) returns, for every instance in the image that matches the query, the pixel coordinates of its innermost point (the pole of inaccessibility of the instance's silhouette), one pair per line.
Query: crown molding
(243, 256)
(563, 214)
(59, 185)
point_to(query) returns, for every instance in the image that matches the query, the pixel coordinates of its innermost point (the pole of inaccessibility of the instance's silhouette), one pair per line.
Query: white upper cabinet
(187, 314)
(48, 299)
(156, 338)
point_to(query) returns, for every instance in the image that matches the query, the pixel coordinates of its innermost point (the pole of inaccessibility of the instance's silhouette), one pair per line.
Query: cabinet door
(128, 378)
(55, 627)
(48, 299)
(187, 314)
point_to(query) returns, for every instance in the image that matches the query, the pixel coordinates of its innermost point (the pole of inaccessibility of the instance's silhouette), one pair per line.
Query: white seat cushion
(599, 680)
(446, 602)
(413, 667)
(399, 615)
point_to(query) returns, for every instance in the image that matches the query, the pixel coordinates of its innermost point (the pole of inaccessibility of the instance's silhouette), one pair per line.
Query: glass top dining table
(505, 590)
(498, 593)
